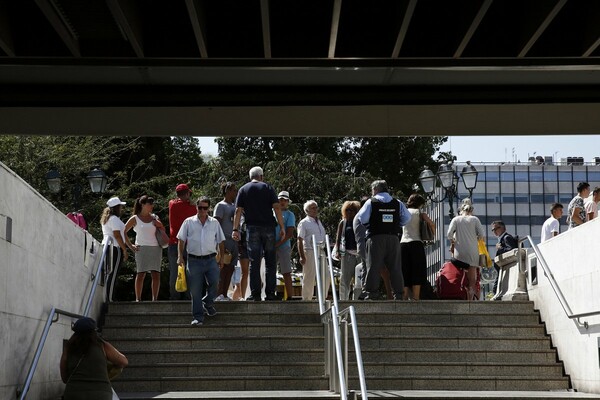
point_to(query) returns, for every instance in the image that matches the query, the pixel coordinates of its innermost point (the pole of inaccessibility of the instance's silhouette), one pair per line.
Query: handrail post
(38, 353)
(88, 306)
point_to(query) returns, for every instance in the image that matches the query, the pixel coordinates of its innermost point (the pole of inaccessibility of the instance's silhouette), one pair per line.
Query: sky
(500, 148)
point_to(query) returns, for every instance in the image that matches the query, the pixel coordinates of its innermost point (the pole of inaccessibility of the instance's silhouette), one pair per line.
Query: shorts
(243, 247)
(283, 259)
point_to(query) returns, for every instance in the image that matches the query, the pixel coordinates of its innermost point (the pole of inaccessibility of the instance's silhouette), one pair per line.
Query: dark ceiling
(298, 53)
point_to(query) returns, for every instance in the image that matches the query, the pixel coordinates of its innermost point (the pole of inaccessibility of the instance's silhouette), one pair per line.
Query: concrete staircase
(265, 350)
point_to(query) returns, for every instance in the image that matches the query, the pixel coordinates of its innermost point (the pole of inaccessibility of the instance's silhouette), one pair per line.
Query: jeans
(200, 273)
(261, 240)
(172, 256)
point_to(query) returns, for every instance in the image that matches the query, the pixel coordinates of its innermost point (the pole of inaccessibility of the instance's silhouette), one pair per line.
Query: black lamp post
(96, 177)
(448, 179)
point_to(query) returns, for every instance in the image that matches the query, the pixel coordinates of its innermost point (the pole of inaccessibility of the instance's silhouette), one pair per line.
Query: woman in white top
(114, 228)
(463, 233)
(148, 253)
(414, 264)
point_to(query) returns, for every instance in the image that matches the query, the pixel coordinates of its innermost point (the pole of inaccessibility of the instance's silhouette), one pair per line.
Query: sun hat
(181, 187)
(284, 195)
(115, 201)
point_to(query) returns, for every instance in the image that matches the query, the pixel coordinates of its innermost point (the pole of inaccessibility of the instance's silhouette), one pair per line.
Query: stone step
(456, 355)
(224, 355)
(361, 307)
(241, 343)
(373, 394)
(210, 329)
(465, 344)
(224, 317)
(212, 383)
(227, 317)
(478, 383)
(450, 330)
(234, 370)
(458, 369)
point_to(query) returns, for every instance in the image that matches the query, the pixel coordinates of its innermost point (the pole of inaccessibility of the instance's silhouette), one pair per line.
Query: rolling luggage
(451, 283)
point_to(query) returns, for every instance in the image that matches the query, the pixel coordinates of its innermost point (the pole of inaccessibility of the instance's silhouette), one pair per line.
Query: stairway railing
(559, 294)
(336, 326)
(54, 313)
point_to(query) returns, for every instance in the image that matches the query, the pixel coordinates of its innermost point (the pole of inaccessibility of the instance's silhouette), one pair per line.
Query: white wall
(46, 264)
(574, 259)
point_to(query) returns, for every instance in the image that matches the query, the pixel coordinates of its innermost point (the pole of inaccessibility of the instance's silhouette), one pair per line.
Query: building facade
(520, 194)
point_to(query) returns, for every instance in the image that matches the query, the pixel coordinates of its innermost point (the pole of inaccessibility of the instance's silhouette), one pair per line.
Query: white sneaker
(221, 298)
(196, 322)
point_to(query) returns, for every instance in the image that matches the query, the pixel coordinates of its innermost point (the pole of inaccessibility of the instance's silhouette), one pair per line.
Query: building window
(492, 176)
(565, 176)
(521, 176)
(535, 176)
(579, 176)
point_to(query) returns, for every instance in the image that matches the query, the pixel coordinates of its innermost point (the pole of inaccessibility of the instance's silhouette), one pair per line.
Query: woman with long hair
(463, 233)
(84, 363)
(148, 253)
(412, 250)
(346, 248)
(113, 228)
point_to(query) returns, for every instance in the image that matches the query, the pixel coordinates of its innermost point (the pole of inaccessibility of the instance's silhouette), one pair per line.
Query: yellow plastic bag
(483, 253)
(181, 283)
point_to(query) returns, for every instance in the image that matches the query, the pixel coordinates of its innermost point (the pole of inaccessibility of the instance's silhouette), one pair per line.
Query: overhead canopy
(300, 67)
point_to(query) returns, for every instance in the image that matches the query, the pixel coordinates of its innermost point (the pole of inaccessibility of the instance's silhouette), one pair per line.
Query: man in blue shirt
(383, 217)
(283, 246)
(257, 201)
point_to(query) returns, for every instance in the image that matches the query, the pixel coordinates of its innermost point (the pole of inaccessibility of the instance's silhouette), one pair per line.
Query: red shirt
(178, 211)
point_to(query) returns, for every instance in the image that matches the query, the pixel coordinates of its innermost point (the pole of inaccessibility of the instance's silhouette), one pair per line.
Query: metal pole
(88, 307)
(38, 353)
(359, 361)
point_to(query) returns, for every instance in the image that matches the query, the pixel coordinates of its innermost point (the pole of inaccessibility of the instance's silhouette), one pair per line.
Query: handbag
(226, 257)
(485, 260)
(425, 230)
(161, 237)
(181, 282)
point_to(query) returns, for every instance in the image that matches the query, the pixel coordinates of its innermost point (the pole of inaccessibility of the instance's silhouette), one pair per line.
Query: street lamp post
(96, 177)
(448, 179)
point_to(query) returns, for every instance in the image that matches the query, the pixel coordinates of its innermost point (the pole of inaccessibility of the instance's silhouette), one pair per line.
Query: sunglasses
(202, 207)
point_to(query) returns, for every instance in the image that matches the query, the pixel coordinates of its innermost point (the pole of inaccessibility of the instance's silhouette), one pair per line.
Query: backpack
(452, 282)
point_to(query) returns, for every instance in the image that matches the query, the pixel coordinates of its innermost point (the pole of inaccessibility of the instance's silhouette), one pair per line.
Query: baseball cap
(115, 201)
(84, 325)
(284, 195)
(181, 187)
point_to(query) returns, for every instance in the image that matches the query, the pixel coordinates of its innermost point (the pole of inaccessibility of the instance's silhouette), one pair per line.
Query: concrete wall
(45, 262)
(574, 259)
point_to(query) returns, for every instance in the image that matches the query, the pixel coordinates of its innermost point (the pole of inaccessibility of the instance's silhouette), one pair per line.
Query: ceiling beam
(6, 39)
(129, 21)
(266, 27)
(592, 48)
(536, 35)
(59, 21)
(335, 24)
(410, 10)
(474, 25)
(198, 24)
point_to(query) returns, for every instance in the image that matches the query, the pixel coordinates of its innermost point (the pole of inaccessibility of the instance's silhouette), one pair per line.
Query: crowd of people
(378, 238)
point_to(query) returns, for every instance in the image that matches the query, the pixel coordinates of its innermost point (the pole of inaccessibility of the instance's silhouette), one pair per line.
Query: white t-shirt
(590, 206)
(309, 227)
(114, 223)
(550, 226)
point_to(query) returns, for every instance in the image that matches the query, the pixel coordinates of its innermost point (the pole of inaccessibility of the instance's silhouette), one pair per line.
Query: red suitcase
(451, 283)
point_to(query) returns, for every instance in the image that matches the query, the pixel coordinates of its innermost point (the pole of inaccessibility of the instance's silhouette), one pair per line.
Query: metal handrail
(559, 294)
(50, 320)
(331, 315)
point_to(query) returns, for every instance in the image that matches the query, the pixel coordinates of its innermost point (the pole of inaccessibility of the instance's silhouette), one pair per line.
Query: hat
(84, 325)
(115, 201)
(284, 195)
(181, 187)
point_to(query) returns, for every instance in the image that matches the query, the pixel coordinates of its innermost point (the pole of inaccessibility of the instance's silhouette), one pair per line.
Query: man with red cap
(179, 209)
